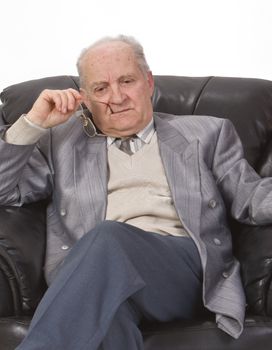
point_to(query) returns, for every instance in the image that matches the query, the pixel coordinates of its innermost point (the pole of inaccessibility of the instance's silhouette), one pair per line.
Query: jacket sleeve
(25, 172)
(247, 196)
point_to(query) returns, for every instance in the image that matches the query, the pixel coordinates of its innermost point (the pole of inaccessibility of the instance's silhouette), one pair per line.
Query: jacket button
(217, 241)
(62, 212)
(212, 203)
(65, 247)
(225, 274)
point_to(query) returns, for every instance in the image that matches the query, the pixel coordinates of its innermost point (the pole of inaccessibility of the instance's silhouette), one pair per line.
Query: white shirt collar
(144, 135)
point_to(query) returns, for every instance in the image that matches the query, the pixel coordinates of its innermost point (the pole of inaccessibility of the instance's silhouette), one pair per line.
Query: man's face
(117, 92)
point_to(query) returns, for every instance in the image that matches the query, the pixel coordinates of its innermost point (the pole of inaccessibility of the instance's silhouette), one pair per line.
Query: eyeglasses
(87, 124)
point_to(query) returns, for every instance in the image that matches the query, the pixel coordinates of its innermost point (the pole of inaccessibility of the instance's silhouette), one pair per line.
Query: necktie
(125, 146)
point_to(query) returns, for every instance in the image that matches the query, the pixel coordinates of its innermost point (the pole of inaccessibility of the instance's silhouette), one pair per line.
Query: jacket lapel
(180, 160)
(90, 178)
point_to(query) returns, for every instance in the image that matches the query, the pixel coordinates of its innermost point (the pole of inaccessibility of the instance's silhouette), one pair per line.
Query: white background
(180, 37)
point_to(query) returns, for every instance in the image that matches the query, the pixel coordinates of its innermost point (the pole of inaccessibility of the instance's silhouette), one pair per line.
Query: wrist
(33, 124)
(33, 119)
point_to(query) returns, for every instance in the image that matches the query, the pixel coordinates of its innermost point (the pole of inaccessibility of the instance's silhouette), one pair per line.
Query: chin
(126, 128)
(122, 132)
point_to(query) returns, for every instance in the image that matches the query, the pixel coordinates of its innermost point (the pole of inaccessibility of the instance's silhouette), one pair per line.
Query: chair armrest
(253, 248)
(22, 250)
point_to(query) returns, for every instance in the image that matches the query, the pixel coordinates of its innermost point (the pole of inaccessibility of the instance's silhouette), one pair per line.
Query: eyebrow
(97, 83)
(126, 76)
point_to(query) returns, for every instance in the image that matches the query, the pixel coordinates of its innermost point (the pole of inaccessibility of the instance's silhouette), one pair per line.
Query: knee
(108, 225)
(108, 228)
(102, 231)
(109, 231)
(113, 234)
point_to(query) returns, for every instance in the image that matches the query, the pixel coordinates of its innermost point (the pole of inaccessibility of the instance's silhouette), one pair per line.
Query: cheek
(98, 110)
(144, 106)
(139, 100)
(142, 97)
(98, 120)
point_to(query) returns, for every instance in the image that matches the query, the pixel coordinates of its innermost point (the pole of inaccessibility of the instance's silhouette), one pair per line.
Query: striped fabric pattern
(137, 141)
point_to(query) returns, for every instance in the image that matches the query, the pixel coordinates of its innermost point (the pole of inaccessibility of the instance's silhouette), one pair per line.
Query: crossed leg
(115, 276)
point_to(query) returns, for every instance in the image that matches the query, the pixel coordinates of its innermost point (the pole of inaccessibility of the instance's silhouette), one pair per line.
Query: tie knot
(125, 144)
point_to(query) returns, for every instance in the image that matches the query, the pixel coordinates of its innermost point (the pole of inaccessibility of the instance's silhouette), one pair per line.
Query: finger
(53, 97)
(67, 101)
(77, 96)
(74, 99)
(64, 101)
(76, 93)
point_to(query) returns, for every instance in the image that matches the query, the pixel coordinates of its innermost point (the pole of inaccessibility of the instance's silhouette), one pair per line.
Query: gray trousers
(113, 278)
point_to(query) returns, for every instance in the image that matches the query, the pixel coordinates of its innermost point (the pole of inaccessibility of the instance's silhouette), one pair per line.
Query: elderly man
(137, 219)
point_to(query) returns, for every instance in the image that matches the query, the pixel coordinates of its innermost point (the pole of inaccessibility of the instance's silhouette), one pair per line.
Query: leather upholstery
(248, 103)
(206, 336)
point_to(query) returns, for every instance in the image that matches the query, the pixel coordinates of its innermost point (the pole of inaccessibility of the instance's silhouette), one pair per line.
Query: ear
(150, 80)
(85, 99)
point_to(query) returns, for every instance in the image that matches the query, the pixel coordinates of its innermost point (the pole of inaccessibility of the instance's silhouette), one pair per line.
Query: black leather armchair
(248, 103)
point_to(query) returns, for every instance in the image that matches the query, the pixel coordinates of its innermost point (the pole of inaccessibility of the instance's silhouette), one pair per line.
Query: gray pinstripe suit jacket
(207, 175)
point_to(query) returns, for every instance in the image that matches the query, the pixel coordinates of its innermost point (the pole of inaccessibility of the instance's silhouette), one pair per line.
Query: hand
(54, 107)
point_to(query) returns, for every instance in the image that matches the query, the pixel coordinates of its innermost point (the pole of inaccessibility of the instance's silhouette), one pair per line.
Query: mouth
(120, 112)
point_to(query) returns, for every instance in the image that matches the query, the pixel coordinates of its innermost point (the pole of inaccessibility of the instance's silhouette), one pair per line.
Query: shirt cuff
(24, 132)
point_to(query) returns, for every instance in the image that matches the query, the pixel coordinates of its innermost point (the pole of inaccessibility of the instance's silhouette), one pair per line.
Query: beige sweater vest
(138, 192)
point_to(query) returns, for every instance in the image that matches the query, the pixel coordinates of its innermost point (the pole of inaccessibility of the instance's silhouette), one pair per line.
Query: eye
(127, 81)
(100, 89)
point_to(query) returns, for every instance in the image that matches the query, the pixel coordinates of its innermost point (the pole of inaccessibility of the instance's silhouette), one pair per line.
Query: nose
(117, 95)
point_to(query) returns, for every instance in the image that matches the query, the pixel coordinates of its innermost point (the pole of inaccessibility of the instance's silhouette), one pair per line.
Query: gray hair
(131, 41)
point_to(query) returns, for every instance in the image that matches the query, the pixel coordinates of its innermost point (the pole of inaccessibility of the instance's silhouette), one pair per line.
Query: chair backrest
(246, 102)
